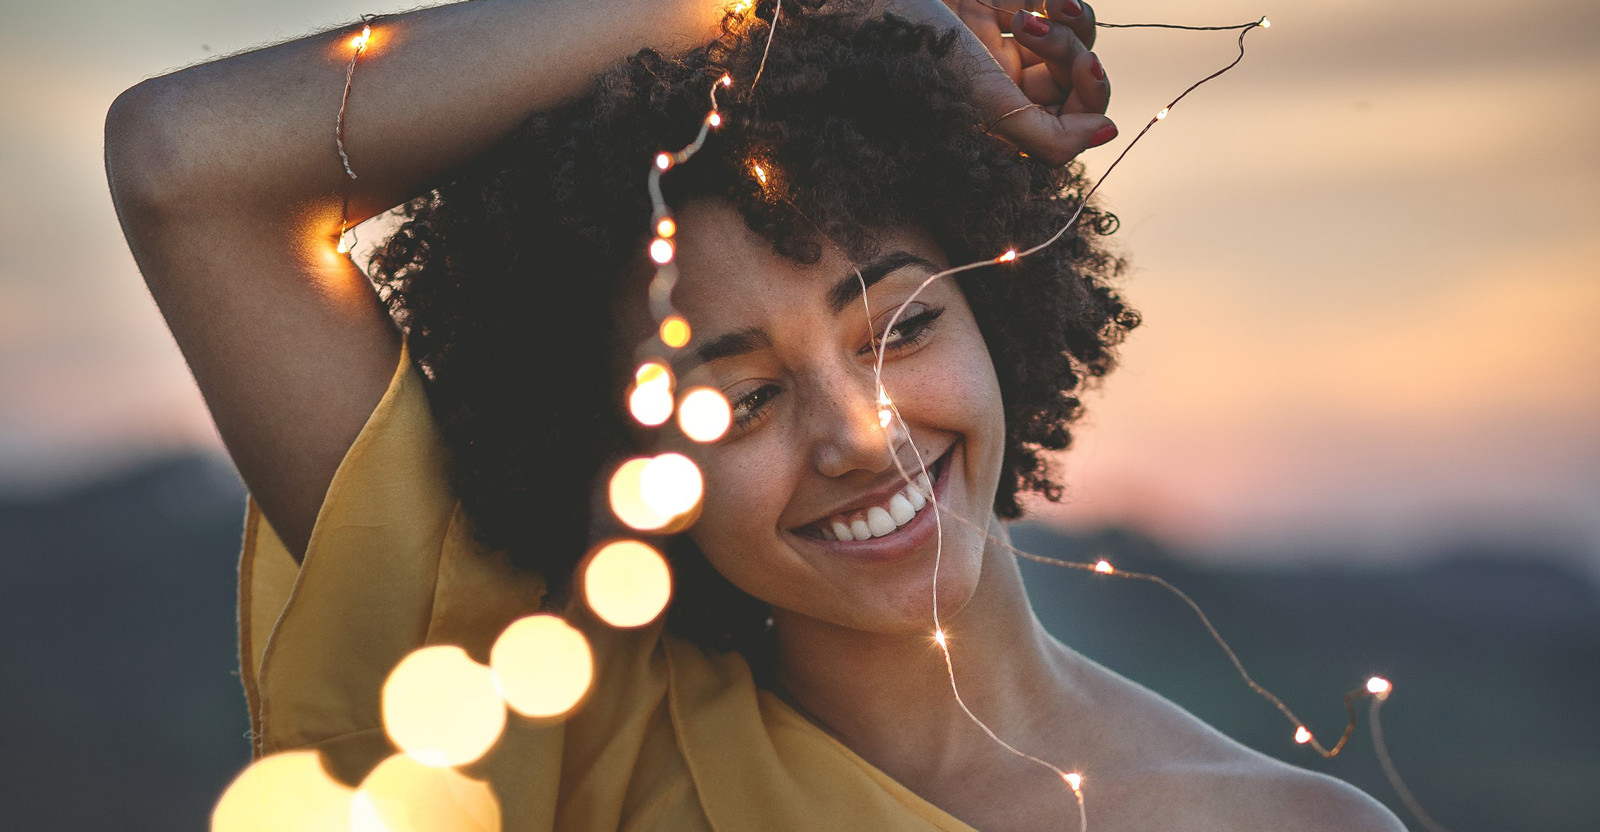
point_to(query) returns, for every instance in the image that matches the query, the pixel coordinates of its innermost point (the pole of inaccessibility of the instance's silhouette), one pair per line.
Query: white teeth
(827, 534)
(900, 510)
(915, 499)
(859, 529)
(923, 485)
(841, 531)
(879, 521)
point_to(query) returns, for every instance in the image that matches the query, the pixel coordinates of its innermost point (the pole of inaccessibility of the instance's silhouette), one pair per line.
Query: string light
(1302, 735)
(1010, 255)
(1103, 567)
(661, 250)
(650, 402)
(402, 794)
(441, 707)
(663, 161)
(627, 498)
(627, 583)
(666, 227)
(288, 790)
(760, 172)
(675, 331)
(1379, 687)
(670, 484)
(1163, 114)
(704, 414)
(542, 666)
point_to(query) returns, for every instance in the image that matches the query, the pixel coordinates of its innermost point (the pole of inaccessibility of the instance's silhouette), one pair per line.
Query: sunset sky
(1366, 259)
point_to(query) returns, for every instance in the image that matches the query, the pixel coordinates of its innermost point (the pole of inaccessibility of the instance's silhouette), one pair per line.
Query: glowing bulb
(543, 665)
(360, 41)
(663, 161)
(1265, 23)
(1037, 14)
(1301, 735)
(627, 583)
(704, 414)
(343, 246)
(938, 636)
(1074, 779)
(715, 119)
(651, 399)
(401, 795)
(290, 790)
(727, 80)
(1162, 114)
(742, 6)
(761, 175)
(1103, 567)
(1011, 254)
(661, 251)
(666, 228)
(627, 497)
(674, 331)
(441, 707)
(885, 415)
(670, 484)
(1379, 687)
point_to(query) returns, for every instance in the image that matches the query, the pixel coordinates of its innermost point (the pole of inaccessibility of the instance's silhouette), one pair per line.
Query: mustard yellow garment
(671, 737)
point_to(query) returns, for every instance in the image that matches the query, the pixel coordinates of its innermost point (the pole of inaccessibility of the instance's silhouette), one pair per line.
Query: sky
(1366, 261)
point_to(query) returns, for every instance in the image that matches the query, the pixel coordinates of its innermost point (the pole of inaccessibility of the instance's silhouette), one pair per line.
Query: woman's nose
(846, 430)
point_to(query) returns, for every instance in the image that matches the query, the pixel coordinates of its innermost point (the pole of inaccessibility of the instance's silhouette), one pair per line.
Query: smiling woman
(798, 680)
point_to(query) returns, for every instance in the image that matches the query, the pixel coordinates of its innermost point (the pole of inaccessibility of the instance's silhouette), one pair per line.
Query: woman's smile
(877, 528)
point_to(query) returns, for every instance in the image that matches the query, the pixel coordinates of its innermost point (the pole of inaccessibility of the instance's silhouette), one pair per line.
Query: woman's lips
(900, 538)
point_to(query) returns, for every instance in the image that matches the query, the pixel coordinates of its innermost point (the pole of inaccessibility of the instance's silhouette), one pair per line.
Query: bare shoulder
(1177, 772)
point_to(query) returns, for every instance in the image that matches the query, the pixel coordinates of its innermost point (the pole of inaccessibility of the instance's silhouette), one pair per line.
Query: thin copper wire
(771, 30)
(1381, 748)
(338, 129)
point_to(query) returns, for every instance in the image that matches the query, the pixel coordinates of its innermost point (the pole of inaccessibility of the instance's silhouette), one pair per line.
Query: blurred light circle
(627, 497)
(403, 795)
(441, 707)
(661, 251)
(543, 665)
(670, 484)
(627, 583)
(290, 790)
(650, 401)
(704, 414)
(675, 330)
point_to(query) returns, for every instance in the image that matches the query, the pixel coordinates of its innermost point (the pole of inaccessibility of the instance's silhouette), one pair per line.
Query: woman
(797, 682)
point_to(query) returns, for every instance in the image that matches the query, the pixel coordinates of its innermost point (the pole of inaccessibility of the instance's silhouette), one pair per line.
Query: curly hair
(503, 277)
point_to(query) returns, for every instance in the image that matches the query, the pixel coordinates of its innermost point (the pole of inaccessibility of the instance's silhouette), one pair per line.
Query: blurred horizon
(1366, 259)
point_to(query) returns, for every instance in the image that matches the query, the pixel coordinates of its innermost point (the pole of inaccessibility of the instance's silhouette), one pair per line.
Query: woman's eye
(750, 406)
(910, 330)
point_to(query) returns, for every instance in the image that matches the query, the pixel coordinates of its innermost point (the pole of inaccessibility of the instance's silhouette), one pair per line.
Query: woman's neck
(889, 697)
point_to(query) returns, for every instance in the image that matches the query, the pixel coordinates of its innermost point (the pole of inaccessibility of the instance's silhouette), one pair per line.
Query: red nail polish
(1071, 8)
(1095, 69)
(1103, 135)
(1036, 26)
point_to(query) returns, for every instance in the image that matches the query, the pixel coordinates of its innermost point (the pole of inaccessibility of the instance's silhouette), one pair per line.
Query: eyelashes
(909, 332)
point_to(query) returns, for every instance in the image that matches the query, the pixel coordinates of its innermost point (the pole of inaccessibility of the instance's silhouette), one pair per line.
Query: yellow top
(671, 737)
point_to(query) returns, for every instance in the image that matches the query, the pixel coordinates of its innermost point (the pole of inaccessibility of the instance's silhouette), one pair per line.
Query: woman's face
(806, 462)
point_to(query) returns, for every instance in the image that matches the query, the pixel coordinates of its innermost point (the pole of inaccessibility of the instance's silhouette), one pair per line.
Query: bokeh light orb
(543, 665)
(403, 795)
(290, 790)
(627, 583)
(661, 251)
(441, 707)
(1302, 735)
(627, 497)
(675, 330)
(704, 414)
(650, 402)
(670, 484)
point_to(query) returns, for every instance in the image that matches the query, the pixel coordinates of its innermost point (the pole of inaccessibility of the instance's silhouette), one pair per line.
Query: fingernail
(1035, 26)
(1095, 69)
(1103, 135)
(1070, 8)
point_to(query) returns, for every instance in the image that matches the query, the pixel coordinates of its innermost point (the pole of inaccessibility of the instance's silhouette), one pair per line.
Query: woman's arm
(229, 188)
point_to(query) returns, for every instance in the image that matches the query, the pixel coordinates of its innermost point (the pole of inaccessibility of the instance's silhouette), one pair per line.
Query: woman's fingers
(1057, 139)
(1077, 15)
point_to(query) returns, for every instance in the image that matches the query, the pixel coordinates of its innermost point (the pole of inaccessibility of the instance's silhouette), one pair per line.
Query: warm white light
(441, 707)
(666, 228)
(543, 665)
(938, 636)
(627, 583)
(674, 331)
(715, 119)
(401, 795)
(627, 497)
(661, 251)
(884, 417)
(1010, 255)
(343, 246)
(727, 80)
(704, 414)
(290, 790)
(1379, 686)
(1162, 114)
(760, 173)
(1103, 567)
(1301, 735)
(671, 484)
(650, 402)
(1074, 779)
(1265, 23)
(663, 161)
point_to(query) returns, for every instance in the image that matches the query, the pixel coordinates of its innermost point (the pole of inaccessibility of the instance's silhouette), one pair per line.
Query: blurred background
(1360, 425)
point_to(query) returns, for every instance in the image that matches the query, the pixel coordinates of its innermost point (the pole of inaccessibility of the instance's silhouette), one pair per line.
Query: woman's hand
(1041, 89)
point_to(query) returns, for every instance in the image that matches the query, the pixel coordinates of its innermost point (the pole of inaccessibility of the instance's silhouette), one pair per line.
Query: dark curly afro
(504, 276)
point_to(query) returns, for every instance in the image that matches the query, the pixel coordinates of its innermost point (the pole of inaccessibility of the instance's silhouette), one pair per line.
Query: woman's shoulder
(1179, 772)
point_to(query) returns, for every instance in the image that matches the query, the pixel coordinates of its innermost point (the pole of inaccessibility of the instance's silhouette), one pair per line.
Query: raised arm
(229, 188)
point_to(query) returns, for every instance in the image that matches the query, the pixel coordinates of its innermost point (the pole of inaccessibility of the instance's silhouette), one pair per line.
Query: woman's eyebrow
(849, 288)
(738, 342)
